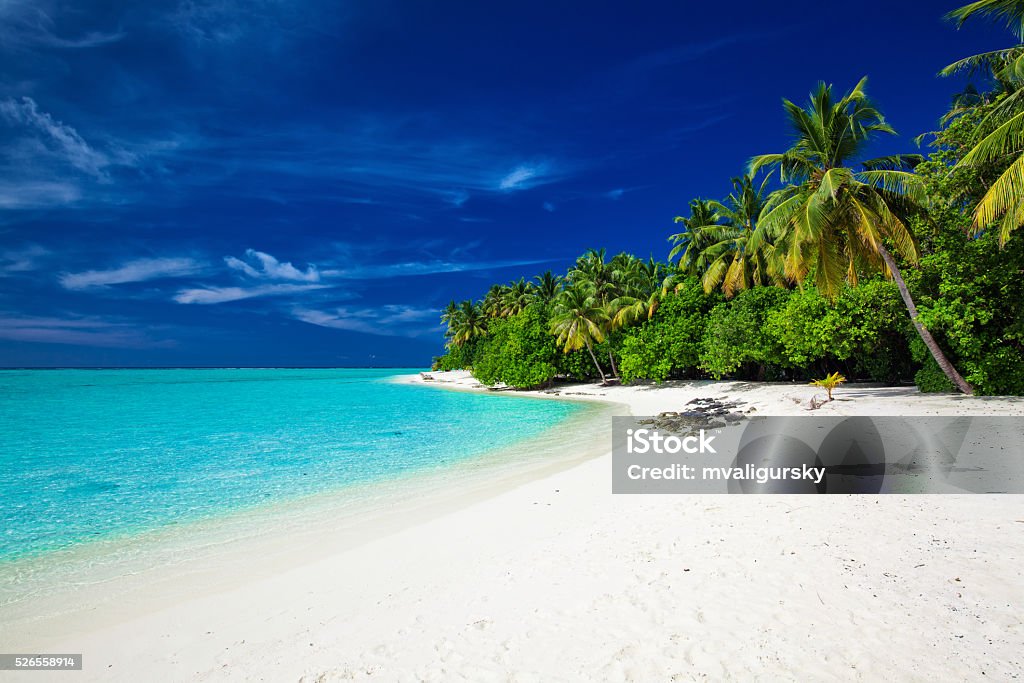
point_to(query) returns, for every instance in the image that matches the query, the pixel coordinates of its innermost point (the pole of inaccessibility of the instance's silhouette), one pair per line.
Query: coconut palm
(832, 221)
(1002, 139)
(468, 324)
(697, 235)
(578, 320)
(516, 297)
(641, 288)
(1006, 65)
(494, 301)
(726, 260)
(593, 271)
(548, 286)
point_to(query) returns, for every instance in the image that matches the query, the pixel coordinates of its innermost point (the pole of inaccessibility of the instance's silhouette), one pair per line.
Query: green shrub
(457, 357)
(518, 351)
(669, 343)
(865, 329)
(735, 334)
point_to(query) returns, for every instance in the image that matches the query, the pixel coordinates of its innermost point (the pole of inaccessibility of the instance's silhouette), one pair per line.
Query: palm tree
(448, 317)
(593, 271)
(726, 260)
(469, 324)
(494, 302)
(832, 220)
(548, 286)
(516, 297)
(642, 284)
(697, 235)
(578, 320)
(1003, 139)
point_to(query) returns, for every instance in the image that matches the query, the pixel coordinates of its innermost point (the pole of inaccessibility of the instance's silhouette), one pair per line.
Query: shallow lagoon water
(95, 455)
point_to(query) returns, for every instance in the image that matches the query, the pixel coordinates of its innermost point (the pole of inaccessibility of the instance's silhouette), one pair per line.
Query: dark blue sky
(289, 182)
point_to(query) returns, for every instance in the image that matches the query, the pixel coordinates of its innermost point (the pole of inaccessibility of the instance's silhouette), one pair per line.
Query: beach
(550, 577)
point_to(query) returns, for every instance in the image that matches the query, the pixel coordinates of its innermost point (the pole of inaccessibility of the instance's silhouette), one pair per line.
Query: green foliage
(930, 379)
(578, 365)
(518, 350)
(829, 383)
(735, 334)
(969, 290)
(457, 358)
(668, 344)
(866, 326)
(972, 294)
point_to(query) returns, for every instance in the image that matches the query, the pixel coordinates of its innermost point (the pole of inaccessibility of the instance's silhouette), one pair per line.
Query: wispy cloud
(415, 268)
(387, 320)
(378, 157)
(268, 267)
(30, 23)
(548, 206)
(33, 194)
(139, 270)
(525, 176)
(81, 331)
(23, 260)
(61, 139)
(220, 295)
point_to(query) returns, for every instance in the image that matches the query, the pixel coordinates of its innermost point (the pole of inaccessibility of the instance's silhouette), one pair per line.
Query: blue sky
(271, 182)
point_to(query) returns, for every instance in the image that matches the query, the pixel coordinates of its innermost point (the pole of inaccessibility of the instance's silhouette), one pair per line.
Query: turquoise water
(89, 454)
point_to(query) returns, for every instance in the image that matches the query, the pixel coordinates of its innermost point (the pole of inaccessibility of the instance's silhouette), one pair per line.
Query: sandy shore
(556, 579)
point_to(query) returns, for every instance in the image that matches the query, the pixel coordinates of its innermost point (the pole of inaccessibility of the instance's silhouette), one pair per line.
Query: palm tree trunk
(926, 336)
(611, 359)
(597, 365)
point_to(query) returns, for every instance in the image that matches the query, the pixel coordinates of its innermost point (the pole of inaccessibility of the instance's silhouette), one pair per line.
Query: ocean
(87, 456)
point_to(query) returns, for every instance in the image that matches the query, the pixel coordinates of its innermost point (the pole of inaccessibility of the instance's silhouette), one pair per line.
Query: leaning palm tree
(832, 220)
(578, 320)
(1002, 137)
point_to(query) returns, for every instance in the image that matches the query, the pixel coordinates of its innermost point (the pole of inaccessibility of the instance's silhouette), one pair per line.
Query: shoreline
(553, 577)
(765, 398)
(159, 567)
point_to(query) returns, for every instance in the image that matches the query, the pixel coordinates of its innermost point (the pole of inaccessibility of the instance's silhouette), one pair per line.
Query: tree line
(895, 268)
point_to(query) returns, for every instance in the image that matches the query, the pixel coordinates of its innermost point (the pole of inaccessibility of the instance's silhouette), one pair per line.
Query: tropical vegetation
(820, 261)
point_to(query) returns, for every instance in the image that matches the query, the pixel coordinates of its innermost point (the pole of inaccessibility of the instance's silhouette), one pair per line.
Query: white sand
(557, 579)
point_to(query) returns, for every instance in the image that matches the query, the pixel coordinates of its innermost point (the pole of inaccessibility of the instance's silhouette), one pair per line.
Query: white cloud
(548, 206)
(616, 193)
(389, 320)
(139, 270)
(59, 137)
(524, 177)
(271, 269)
(220, 295)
